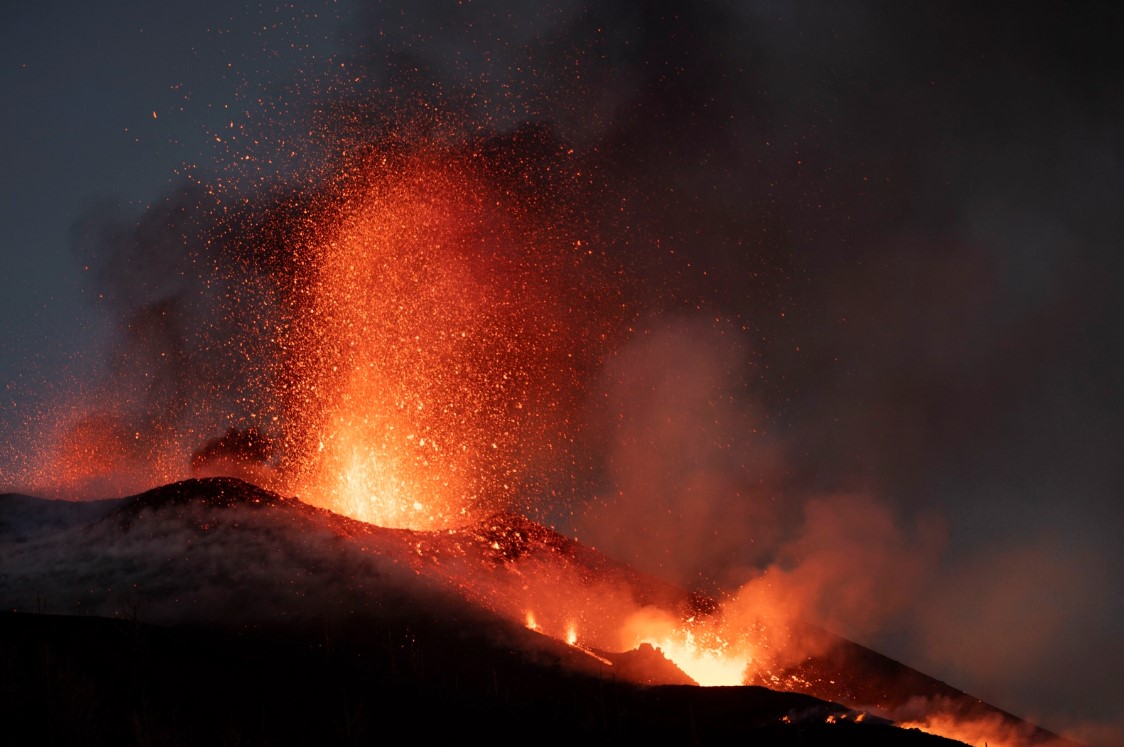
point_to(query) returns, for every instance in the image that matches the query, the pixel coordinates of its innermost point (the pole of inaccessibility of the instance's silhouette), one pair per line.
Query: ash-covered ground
(214, 611)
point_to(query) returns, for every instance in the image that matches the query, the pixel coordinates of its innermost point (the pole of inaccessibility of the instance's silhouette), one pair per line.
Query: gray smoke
(867, 251)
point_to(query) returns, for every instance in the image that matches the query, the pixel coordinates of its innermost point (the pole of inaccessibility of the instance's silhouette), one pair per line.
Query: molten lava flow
(705, 653)
(710, 665)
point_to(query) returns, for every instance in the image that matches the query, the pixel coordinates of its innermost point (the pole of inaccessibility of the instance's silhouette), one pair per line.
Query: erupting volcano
(414, 341)
(506, 599)
(421, 336)
(435, 347)
(483, 391)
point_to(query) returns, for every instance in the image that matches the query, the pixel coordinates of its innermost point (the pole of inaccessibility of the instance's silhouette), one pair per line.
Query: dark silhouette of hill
(215, 611)
(95, 681)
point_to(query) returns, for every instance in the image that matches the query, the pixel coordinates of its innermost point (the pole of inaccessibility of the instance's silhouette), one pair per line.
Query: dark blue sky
(80, 86)
(933, 197)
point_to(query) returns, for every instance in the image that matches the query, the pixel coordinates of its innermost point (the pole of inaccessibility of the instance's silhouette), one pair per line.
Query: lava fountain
(404, 332)
(442, 309)
(435, 354)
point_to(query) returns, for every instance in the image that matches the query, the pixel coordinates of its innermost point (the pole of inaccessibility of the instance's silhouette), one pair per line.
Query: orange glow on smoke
(88, 452)
(977, 732)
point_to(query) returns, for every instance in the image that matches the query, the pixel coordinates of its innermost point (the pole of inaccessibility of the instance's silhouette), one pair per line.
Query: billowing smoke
(689, 456)
(695, 490)
(860, 266)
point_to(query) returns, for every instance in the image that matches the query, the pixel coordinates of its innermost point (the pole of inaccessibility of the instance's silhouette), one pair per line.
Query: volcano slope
(214, 611)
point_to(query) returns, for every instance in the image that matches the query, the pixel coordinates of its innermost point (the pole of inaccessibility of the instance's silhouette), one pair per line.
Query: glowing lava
(711, 666)
(431, 358)
(699, 648)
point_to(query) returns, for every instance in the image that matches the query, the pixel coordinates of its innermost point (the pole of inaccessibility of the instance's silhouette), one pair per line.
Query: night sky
(886, 238)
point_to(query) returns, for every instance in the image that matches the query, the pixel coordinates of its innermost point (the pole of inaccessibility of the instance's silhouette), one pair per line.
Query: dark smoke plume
(863, 250)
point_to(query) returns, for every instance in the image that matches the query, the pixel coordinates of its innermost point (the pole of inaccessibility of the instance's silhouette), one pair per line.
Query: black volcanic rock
(890, 687)
(647, 665)
(215, 492)
(223, 562)
(509, 537)
(512, 539)
(93, 681)
(195, 501)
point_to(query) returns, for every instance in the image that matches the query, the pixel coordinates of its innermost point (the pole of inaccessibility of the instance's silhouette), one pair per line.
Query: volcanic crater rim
(218, 492)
